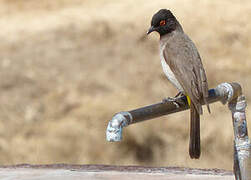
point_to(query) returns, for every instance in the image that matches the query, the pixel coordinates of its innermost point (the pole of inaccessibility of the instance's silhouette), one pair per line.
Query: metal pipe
(125, 118)
(242, 146)
(230, 93)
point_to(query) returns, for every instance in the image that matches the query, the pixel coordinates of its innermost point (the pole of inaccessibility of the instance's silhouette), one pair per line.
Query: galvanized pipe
(230, 93)
(242, 146)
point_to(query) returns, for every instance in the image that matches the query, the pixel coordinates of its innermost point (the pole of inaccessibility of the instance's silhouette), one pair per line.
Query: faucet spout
(115, 126)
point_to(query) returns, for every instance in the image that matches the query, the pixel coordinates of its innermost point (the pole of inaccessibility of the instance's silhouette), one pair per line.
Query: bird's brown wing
(185, 62)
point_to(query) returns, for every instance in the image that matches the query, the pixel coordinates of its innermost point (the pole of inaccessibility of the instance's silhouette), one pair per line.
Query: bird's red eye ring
(162, 22)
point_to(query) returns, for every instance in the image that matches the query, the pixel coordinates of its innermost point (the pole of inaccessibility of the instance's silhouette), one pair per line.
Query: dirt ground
(67, 66)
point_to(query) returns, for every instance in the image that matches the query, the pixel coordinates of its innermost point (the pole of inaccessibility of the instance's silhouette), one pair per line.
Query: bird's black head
(163, 22)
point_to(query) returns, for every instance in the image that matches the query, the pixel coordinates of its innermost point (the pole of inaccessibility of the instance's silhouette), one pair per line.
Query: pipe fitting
(115, 126)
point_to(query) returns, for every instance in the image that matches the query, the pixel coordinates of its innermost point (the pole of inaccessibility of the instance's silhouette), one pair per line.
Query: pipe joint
(115, 126)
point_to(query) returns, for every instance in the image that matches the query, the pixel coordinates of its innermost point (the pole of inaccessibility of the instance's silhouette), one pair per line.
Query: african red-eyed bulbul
(182, 65)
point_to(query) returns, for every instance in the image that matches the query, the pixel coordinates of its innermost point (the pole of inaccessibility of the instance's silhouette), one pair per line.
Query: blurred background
(67, 66)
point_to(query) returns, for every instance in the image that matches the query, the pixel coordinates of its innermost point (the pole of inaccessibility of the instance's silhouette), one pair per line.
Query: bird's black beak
(151, 29)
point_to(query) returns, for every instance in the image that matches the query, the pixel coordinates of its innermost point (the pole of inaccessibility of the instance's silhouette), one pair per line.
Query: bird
(182, 65)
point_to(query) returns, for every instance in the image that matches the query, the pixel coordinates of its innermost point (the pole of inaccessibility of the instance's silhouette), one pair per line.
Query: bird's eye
(162, 22)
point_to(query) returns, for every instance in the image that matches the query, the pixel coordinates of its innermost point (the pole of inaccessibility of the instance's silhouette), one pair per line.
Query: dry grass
(67, 66)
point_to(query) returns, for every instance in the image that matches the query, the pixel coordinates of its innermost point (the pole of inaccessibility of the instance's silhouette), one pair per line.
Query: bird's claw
(171, 99)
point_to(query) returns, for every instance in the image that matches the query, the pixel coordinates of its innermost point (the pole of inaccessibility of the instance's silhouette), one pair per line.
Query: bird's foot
(175, 100)
(171, 99)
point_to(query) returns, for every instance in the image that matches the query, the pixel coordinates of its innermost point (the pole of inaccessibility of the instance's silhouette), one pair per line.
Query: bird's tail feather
(194, 145)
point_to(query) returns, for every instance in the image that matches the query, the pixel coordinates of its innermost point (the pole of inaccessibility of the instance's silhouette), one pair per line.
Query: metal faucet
(230, 93)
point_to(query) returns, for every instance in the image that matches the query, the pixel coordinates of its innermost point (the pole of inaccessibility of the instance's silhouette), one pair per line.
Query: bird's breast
(168, 72)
